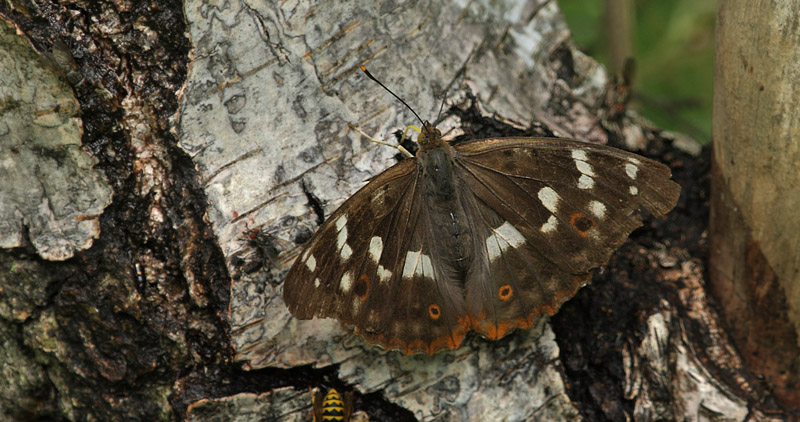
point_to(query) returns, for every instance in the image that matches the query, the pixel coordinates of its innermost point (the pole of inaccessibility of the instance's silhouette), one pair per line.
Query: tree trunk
(174, 311)
(755, 255)
(619, 31)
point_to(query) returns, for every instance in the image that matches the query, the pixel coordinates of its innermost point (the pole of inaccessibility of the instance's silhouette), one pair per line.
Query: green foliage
(674, 50)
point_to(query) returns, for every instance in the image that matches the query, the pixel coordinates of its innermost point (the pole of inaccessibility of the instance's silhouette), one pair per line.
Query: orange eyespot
(434, 312)
(505, 292)
(581, 223)
(361, 289)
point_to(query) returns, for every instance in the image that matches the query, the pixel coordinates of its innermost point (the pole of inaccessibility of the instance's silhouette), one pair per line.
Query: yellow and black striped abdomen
(333, 407)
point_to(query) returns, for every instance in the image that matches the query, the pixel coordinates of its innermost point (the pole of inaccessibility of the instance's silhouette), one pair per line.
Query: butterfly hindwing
(510, 282)
(374, 265)
(424, 311)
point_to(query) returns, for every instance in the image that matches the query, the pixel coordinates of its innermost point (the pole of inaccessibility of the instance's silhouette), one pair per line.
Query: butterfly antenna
(441, 107)
(369, 75)
(461, 71)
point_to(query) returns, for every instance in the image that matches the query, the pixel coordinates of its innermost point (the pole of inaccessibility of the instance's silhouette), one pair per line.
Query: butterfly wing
(373, 265)
(423, 306)
(544, 217)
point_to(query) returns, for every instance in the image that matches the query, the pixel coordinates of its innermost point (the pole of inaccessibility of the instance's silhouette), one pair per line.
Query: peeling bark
(262, 142)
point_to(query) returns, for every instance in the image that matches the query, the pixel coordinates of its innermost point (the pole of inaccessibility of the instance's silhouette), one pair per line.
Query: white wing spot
(549, 199)
(346, 252)
(346, 282)
(340, 222)
(417, 263)
(633, 190)
(378, 198)
(342, 237)
(375, 248)
(341, 240)
(384, 275)
(356, 304)
(584, 167)
(597, 208)
(316, 283)
(311, 263)
(504, 237)
(550, 224)
(585, 182)
(631, 170)
(634, 160)
(579, 155)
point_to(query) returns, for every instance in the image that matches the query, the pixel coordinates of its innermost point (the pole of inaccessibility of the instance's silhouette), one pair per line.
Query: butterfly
(487, 235)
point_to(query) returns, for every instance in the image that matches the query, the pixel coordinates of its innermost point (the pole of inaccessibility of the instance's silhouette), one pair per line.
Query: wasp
(332, 406)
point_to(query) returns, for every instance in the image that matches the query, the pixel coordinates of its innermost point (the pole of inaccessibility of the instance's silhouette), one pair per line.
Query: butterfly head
(429, 137)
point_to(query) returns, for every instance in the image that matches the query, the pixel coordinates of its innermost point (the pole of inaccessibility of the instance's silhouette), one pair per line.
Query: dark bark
(94, 341)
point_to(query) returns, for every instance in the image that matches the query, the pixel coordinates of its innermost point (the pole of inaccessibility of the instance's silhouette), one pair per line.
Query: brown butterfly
(486, 235)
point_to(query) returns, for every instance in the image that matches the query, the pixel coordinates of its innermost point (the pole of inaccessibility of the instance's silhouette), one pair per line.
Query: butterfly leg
(405, 132)
(378, 141)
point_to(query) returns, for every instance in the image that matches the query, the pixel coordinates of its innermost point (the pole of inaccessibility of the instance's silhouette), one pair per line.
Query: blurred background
(672, 43)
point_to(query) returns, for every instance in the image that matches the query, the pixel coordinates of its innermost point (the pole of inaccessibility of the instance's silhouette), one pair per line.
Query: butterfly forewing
(571, 200)
(325, 281)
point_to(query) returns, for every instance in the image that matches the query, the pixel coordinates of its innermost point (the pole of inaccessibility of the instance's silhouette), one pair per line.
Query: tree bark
(175, 312)
(755, 263)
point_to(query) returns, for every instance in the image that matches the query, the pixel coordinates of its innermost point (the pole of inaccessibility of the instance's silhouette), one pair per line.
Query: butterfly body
(442, 199)
(486, 236)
